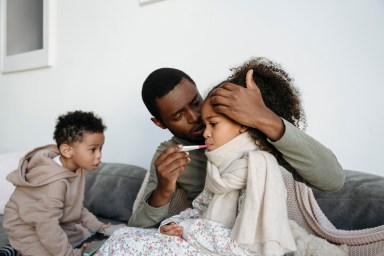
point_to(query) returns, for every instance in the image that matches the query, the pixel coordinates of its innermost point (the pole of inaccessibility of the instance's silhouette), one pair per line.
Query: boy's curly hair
(72, 126)
(278, 92)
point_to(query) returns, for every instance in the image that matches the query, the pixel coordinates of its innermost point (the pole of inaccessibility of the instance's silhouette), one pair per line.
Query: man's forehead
(175, 100)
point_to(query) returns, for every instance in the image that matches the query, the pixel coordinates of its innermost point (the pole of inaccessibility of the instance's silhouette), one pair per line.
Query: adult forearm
(271, 125)
(147, 216)
(315, 163)
(150, 212)
(159, 198)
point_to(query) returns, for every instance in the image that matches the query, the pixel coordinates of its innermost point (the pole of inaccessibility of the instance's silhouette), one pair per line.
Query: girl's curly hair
(278, 92)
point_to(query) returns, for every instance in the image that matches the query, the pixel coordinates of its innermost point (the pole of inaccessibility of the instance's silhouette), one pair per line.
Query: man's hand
(169, 165)
(172, 229)
(246, 106)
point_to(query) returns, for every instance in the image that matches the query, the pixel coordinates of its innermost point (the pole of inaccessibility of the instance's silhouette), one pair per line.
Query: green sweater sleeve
(315, 164)
(145, 215)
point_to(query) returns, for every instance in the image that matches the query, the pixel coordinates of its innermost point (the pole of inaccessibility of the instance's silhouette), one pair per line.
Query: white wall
(105, 50)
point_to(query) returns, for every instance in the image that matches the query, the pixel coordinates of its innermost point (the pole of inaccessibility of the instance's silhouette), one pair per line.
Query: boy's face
(87, 153)
(180, 112)
(219, 129)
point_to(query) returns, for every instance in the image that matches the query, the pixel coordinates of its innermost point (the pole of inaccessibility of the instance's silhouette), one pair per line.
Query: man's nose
(193, 116)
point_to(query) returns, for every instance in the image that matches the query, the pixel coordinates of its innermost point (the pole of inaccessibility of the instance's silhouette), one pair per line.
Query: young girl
(242, 209)
(45, 214)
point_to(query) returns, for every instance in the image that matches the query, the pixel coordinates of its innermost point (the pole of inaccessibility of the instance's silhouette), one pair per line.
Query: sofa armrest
(111, 191)
(359, 204)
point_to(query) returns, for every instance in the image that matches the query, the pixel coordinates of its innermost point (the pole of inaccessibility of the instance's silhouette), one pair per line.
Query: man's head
(172, 98)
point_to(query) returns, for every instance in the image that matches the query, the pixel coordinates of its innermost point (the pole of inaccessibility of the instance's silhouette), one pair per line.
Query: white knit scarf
(262, 222)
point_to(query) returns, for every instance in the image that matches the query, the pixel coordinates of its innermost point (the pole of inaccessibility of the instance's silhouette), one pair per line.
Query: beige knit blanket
(303, 208)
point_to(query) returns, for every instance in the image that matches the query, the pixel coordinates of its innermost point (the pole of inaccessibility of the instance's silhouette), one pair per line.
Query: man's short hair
(158, 84)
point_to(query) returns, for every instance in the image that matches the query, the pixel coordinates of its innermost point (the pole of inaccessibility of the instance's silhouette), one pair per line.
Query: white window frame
(32, 59)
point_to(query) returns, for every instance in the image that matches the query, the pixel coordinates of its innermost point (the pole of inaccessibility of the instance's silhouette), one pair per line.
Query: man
(174, 102)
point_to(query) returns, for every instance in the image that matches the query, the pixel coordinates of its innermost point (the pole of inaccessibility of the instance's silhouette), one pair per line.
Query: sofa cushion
(111, 191)
(359, 204)
(8, 163)
(3, 235)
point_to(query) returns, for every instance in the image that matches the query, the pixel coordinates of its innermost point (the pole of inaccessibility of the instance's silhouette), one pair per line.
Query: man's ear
(243, 128)
(66, 150)
(157, 122)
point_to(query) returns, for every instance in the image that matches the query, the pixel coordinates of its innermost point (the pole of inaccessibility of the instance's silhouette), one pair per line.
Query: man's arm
(167, 165)
(313, 162)
(145, 215)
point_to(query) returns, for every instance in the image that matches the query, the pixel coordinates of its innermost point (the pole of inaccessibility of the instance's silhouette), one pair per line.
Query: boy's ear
(65, 150)
(157, 122)
(243, 128)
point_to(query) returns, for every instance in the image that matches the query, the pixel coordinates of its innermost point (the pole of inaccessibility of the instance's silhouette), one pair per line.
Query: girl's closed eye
(212, 123)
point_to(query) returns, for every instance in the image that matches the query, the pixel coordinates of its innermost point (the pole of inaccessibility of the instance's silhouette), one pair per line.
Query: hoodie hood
(37, 168)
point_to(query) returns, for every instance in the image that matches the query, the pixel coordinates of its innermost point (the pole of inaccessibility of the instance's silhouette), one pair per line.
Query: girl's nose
(206, 133)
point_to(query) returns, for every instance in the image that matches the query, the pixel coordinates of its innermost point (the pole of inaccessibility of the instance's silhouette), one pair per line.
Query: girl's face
(219, 129)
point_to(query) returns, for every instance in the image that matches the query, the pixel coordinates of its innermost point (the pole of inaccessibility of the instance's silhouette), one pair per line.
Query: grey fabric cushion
(358, 204)
(111, 190)
(3, 235)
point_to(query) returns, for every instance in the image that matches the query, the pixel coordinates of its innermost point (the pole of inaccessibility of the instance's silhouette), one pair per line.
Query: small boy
(45, 214)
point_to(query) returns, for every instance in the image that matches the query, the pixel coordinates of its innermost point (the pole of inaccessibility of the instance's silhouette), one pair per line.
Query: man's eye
(178, 116)
(212, 124)
(196, 103)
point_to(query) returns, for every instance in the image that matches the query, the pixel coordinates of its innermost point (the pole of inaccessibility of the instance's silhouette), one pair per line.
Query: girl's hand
(172, 229)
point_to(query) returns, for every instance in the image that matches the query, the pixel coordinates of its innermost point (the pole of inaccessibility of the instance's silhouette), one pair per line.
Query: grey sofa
(111, 192)
(359, 204)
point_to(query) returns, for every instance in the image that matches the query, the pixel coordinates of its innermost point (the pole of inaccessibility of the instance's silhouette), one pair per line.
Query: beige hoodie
(41, 215)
